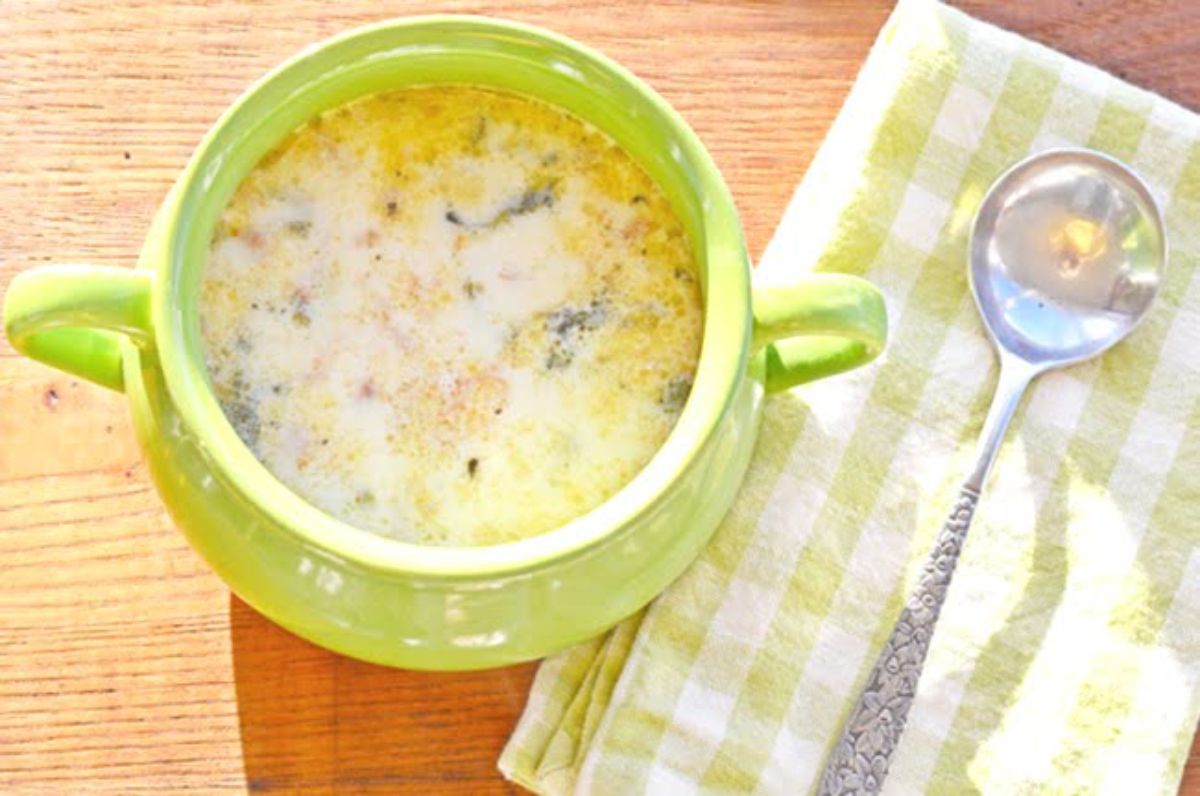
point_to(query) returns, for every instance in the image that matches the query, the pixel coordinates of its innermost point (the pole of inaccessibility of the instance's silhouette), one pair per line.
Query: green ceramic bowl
(136, 330)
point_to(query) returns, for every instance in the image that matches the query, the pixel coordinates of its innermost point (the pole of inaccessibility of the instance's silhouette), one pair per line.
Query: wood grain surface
(125, 665)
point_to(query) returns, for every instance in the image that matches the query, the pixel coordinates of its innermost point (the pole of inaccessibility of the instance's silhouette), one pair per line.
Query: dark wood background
(124, 663)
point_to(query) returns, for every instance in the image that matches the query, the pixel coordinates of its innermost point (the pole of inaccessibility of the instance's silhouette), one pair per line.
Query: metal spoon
(1067, 251)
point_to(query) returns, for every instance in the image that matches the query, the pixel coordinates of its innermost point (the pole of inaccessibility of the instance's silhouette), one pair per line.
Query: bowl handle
(72, 317)
(816, 326)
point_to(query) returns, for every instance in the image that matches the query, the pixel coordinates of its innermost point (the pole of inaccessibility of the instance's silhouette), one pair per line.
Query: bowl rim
(722, 363)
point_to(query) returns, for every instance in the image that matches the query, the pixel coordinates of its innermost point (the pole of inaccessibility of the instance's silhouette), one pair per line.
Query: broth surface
(450, 315)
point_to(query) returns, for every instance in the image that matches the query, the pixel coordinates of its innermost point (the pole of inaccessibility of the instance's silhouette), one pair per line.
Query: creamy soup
(450, 315)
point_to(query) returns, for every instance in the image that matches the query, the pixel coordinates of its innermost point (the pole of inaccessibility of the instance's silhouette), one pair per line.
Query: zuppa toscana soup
(450, 315)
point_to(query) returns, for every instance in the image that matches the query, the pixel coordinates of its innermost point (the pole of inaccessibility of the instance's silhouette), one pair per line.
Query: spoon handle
(860, 759)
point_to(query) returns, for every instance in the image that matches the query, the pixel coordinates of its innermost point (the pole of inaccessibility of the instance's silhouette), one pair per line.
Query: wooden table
(125, 664)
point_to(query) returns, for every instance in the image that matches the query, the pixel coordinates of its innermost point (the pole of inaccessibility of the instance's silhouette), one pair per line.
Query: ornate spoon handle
(860, 759)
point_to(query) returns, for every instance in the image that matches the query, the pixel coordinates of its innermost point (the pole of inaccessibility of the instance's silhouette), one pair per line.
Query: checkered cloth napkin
(1067, 657)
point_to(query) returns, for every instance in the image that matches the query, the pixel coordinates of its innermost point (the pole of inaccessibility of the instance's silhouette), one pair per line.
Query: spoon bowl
(1066, 255)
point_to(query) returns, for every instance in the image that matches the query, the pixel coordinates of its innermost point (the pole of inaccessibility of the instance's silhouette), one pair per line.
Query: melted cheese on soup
(450, 315)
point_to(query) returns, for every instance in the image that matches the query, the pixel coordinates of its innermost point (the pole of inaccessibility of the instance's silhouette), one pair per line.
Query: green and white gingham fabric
(1066, 660)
